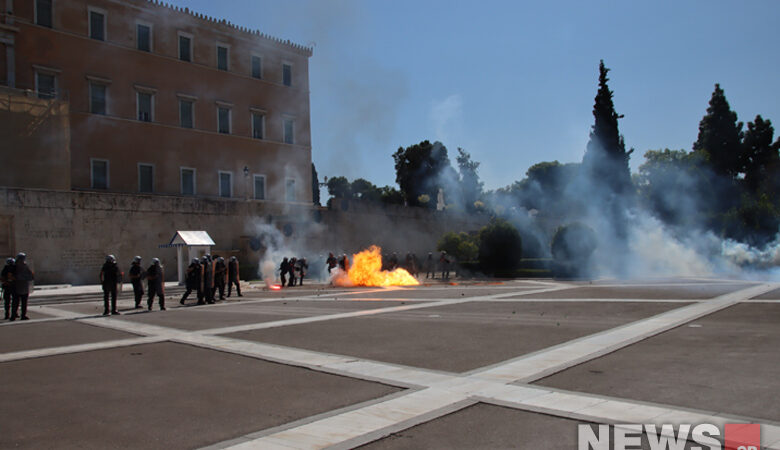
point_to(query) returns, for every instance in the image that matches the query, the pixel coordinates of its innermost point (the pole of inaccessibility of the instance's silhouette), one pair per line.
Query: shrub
(572, 248)
(500, 247)
(460, 245)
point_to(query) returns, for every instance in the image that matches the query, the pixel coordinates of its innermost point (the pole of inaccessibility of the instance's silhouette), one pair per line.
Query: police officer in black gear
(208, 278)
(7, 278)
(109, 277)
(283, 270)
(220, 277)
(233, 276)
(22, 278)
(155, 278)
(193, 281)
(136, 278)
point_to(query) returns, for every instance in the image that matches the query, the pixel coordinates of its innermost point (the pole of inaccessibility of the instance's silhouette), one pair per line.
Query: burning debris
(366, 270)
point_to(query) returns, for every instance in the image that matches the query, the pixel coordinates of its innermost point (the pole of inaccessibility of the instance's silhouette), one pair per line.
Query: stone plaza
(466, 364)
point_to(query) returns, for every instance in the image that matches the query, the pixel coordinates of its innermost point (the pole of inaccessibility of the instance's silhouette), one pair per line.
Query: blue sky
(513, 82)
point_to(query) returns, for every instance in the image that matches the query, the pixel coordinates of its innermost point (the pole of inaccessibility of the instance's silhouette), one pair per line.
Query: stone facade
(68, 233)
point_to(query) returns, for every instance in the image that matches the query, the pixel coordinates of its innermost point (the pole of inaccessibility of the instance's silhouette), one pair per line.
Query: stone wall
(67, 234)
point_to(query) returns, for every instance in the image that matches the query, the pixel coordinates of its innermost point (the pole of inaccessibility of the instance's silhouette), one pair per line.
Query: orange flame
(366, 270)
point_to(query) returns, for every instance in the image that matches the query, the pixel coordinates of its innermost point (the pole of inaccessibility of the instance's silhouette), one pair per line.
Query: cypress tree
(759, 156)
(720, 136)
(606, 158)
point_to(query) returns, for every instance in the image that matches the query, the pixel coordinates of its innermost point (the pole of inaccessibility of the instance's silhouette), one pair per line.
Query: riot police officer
(156, 284)
(208, 278)
(137, 274)
(194, 280)
(220, 277)
(233, 276)
(7, 278)
(109, 278)
(22, 278)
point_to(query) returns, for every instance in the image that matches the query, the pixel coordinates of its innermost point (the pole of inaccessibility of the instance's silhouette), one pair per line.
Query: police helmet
(10, 261)
(220, 259)
(21, 257)
(195, 260)
(136, 259)
(110, 258)
(156, 261)
(233, 258)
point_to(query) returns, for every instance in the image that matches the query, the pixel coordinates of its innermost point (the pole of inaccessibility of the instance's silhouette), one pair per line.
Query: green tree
(759, 157)
(339, 187)
(460, 245)
(471, 186)
(315, 186)
(500, 247)
(720, 136)
(365, 190)
(422, 169)
(606, 158)
(667, 184)
(391, 196)
(572, 247)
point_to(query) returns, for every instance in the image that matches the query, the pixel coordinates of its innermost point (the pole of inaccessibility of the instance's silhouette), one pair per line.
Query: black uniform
(233, 277)
(220, 276)
(136, 278)
(155, 279)
(208, 280)
(109, 277)
(291, 271)
(8, 287)
(283, 267)
(331, 261)
(194, 281)
(22, 276)
(301, 267)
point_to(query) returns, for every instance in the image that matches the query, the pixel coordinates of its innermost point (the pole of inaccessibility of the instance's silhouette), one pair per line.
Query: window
(223, 120)
(97, 24)
(99, 173)
(143, 37)
(289, 190)
(185, 47)
(43, 13)
(259, 187)
(258, 125)
(225, 184)
(222, 57)
(289, 129)
(257, 67)
(45, 84)
(97, 98)
(187, 180)
(145, 106)
(287, 74)
(185, 113)
(145, 178)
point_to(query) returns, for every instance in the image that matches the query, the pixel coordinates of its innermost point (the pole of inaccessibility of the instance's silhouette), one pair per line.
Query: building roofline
(302, 49)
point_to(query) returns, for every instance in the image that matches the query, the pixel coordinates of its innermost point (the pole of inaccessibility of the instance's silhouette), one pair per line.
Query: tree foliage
(460, 245)
(606, 158)
(471, 186)
(719, 136)
(759, 159)
(572, 247)
(315, 186)
(423, 169)
(500, 247)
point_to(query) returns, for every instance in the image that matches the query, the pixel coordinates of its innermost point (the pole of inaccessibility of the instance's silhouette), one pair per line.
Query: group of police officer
(209, 275)
(16, 278)
(295, 269)
(205, 276)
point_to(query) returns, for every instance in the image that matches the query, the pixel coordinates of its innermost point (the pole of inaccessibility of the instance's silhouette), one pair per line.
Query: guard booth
(196, 243)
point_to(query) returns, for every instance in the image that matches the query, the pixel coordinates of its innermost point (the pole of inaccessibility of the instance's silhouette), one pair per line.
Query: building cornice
(297, 48)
